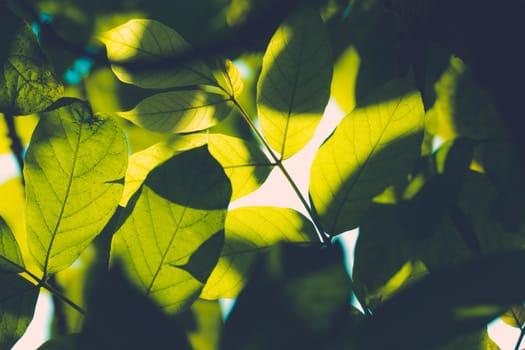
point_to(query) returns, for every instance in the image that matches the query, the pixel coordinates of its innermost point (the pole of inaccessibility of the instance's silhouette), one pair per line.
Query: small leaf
(179, 111)
(10, 256)
(179, 212)
(515, 316)
(373, 147)
(250, 231)
(146, 42)
(121, 317)
(141, 163)
(72, 170)
(231, 77)
(294, 86)
(17, 305)
(243, 161)
(27, 81)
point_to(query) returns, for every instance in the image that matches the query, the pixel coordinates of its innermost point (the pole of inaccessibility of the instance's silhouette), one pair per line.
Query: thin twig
(522, 334)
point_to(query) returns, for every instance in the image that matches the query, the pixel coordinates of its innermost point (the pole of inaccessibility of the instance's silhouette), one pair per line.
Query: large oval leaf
(17, 305)
(73, 168)
(146, 42)
(27, 81)
(251, 231)
(173, 234)
(179, 111)
(372, 148)
(294, 86)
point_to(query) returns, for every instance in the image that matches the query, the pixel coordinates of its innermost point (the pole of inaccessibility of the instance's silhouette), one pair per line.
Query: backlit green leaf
(294, 86)
(145, 43)
(179, 111)
(373, 147)
(17, 304)
(230, 78)
(515, 316)
(173, 234)
(10, 256)
(73, 171)
(250, 231)
(27, 81)
(243, 161)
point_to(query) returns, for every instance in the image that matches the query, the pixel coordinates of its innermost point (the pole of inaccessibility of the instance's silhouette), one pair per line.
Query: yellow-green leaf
(515, 317)
(17, 305)
(146, 42)
(179, 111)
(173, 234)
(243, 161)
(372, 148)
(73, 171)
(27, 81)
(10, 256)
(294, 86)
(250, 231)
(230, 78)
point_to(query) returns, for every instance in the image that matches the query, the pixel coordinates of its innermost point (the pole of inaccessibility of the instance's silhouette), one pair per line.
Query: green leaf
(173, 234)
(445, 304)
(179, 111)
(373, 147)
(203, 324)
(515, 316)
(120, 317)
(230, 78)
(243, 161)
(10, 256)
(73, 171)
(17, 304)
(251, 231)
(141, 163)
(67, 342)
(147, 43)
(299, 298)
(294, 86)
(27, 81)
(477, 340)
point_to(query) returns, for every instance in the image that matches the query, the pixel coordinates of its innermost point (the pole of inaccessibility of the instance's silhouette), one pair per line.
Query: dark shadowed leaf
(446, 304)
(149, 41)
(373, 147)
(298, 299)
(72, 170)
(251, 231)
(203, 323)
(294, 85)
(120, 317)
(67, 342)
(515, 316)
(17, 304)
(27, 81)
(173, 234)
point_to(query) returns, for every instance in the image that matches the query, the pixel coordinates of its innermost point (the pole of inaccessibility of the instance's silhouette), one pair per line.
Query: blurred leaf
(67, 342)
(298, 299)
(17, 304)
(346, 70)
(121, 317)
(203, 324)
(243, 161)
(179, 111)
(515, 316)
(251, 231)
(477, 340)
(146, 42)
(173, 234)
(72, 171)
(294, 85)
(447, 303)
(141, 163)
(10, 256)
(372, 148)
(27, 81)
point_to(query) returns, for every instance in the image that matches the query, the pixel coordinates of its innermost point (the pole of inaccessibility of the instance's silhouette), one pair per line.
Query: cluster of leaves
(142, 246)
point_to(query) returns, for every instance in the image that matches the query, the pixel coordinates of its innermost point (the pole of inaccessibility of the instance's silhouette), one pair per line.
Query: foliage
(131, 173)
